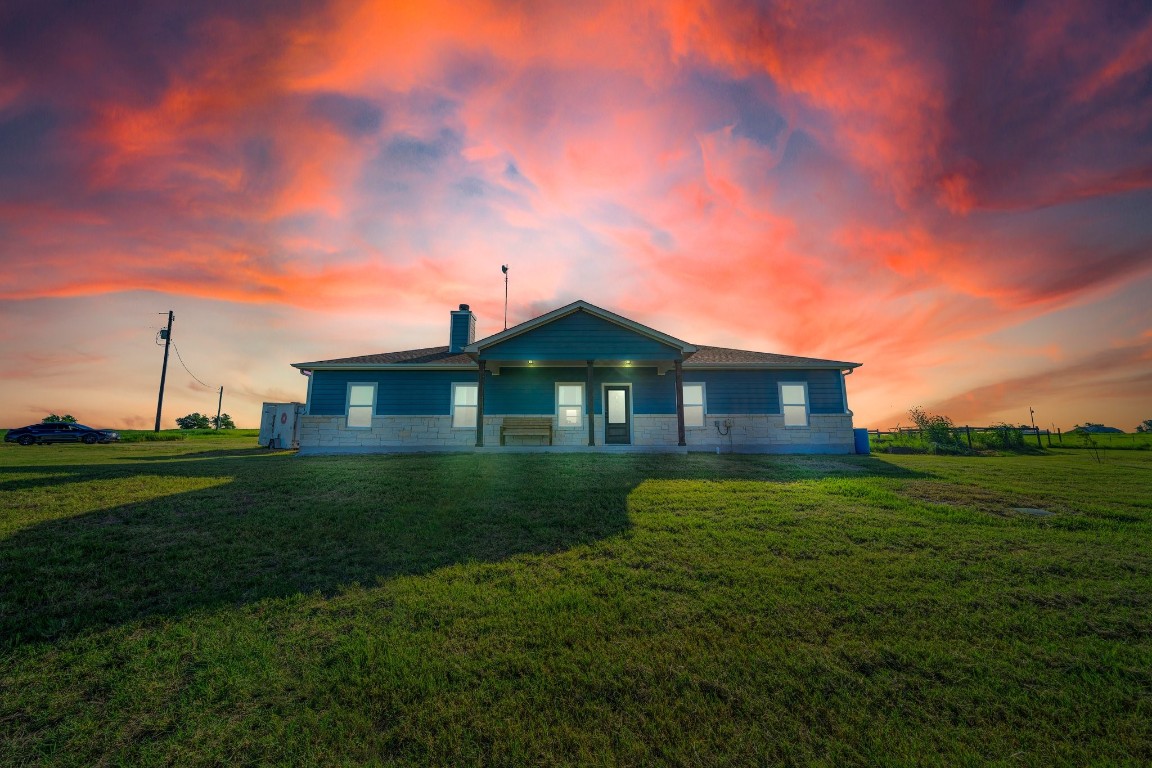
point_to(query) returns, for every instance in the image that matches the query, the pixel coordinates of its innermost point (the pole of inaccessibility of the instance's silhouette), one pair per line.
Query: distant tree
(54, 419)
(1144, 426)
(225, 422)
(194, 421)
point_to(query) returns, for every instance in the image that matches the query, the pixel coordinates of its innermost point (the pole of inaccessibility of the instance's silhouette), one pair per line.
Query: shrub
(939, 431)
(1001, 437)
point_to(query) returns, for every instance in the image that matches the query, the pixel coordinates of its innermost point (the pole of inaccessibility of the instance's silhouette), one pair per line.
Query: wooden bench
(526, 425)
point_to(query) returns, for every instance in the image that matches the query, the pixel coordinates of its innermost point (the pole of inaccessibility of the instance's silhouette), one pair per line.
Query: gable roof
(580, 306)
(695, 356)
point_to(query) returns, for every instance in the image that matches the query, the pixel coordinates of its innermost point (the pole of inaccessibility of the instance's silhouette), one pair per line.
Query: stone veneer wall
(397, 433)
(323, 433)
(759, 433)
(748, 434)
(766, 433)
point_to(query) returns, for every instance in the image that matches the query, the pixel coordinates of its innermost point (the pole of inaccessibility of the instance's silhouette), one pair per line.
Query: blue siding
(759, 391)
(400, 393)
(462, 331)
(525, 391)
(651, 393)
(519, 391)
(580, 336)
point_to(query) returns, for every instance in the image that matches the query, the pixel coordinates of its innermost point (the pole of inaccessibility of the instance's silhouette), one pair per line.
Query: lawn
(207, 602)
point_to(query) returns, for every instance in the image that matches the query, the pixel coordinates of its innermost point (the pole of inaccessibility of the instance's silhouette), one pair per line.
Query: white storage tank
(280, 425)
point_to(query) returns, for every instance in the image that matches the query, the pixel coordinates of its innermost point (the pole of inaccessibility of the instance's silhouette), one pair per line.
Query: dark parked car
(60, 433)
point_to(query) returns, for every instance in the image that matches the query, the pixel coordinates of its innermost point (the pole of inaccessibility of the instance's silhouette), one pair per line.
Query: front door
(618, 424)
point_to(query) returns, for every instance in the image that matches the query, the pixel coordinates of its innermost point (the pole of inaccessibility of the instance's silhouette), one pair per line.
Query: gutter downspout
(844, 389)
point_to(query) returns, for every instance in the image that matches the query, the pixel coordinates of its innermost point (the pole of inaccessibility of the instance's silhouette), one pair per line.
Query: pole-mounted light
(504, 269)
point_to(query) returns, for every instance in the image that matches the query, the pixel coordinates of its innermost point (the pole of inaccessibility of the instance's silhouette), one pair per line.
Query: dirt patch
(953, 494)
(1034, 511)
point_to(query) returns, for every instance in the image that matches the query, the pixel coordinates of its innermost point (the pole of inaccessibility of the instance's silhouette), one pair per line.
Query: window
(361, 404)
(464, 405)
(794, 404)
(569, 405)
(693, 405)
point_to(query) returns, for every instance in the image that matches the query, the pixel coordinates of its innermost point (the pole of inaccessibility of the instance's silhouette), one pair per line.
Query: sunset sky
(956, 195)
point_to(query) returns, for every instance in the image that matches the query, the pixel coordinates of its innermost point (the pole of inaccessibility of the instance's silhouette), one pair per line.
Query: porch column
(680, 402)
(480, 404)
(589, 400)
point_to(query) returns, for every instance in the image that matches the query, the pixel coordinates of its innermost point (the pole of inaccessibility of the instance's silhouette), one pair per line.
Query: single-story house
(577, 378)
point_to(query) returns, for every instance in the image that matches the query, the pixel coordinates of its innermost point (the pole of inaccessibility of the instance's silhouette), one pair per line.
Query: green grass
(993, 442)
(1140, 441)
(211, 603)
(173, 435)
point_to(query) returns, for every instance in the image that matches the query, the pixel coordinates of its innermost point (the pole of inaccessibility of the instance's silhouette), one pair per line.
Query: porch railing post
(589, 399)
(480, 404)
(680, 403)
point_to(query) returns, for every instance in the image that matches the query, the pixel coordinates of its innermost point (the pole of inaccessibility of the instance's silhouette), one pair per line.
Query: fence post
(968, 431)
(1059, 435)
(1049, 433)
(1038, 445)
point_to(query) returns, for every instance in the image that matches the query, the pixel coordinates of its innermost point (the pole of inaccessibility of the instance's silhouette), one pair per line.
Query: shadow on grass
(218, 453)
(270, 525)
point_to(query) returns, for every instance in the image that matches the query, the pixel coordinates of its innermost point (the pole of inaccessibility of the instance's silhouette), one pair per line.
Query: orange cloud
(847, 181)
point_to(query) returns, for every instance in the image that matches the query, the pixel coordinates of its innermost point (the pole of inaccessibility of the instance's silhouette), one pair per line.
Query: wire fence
(1000, 436)
(1007, 436)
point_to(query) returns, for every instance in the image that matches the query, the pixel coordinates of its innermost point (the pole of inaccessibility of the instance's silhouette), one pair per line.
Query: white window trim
(807, 403)
(348, 403)
(703, 402)
(452, 404)
(583, 402)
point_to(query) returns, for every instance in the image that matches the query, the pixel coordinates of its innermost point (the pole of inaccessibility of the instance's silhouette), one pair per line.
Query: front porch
(652, 433)
(593, 405)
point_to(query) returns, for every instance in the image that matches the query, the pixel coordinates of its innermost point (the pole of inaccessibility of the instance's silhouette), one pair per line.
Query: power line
(181, 359)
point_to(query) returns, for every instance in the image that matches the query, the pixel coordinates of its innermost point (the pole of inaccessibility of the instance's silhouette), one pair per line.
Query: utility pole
(164, 371)
(218, 404)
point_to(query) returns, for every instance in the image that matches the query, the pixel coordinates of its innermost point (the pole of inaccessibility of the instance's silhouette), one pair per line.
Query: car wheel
(26, 439)
(90, 439)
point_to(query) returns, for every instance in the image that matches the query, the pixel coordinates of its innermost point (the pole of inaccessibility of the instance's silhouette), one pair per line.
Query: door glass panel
(617, 406)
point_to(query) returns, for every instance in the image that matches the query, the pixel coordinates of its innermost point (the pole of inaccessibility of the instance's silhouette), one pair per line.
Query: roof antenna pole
(504, 269)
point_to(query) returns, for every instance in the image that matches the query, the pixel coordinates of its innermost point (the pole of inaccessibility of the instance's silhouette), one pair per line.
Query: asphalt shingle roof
(427, 356)
(703, 356)
(725, 356)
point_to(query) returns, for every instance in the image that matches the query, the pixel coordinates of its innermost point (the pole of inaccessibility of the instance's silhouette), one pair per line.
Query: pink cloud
(845, 181)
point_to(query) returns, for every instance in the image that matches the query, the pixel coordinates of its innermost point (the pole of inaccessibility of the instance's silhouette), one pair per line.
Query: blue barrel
(861, 438)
